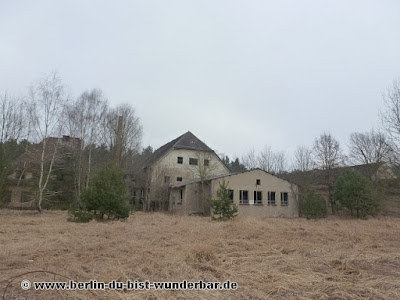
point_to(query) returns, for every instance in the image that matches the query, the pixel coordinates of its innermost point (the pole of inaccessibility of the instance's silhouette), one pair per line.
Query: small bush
(80, 216)
(222, 207)
(313, 205)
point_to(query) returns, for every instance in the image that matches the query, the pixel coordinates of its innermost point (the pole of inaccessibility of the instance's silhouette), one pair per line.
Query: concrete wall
(168, 166)
(193, 203)
(21, 197)
(268, 183)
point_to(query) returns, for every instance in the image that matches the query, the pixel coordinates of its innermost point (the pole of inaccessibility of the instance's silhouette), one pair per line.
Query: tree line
(374, 146)
(35, 122)
(47, 110)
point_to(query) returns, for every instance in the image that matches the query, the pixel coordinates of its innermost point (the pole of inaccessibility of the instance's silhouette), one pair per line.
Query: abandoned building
(184, 158)
(22, 183)
(255, 192)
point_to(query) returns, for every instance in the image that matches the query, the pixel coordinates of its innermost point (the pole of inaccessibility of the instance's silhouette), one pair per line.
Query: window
(258, 182)
(284, 199)
(271, 198)
(180, 196)
(19, 175)
(257, 197)
(180, 160)
(243, 197)
(166, 179)
(206, 162)
(178, 178)
(193, 161)
(231, 195)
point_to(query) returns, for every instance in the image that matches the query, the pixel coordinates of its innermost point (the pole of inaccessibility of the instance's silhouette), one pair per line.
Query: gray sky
(238, 74)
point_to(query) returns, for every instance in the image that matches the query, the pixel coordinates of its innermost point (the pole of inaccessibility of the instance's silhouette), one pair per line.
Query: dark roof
(32, 157)
(186, 141)
(319, 177)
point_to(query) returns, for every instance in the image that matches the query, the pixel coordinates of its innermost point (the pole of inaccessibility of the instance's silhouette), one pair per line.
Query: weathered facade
(185, 158)
(256, 193)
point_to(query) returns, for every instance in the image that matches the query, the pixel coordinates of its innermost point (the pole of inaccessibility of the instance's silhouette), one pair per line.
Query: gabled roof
(32, 157)
(186, 141)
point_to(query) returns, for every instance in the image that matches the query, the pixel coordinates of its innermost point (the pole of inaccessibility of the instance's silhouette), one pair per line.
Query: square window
(206, 162)
(243, 197)
(271, 198)
(258, 182)
(180, 160)
(178, 178)
(193, 161)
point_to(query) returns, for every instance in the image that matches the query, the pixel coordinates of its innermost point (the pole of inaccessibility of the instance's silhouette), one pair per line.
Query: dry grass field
(268, 258)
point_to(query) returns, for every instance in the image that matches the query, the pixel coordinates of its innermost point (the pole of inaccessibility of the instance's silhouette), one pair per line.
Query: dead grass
(269, 258)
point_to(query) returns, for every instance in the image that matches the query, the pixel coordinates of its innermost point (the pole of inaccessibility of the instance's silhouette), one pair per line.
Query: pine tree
(313, 205)
(356, 194)
(222, 207)
(107, 196)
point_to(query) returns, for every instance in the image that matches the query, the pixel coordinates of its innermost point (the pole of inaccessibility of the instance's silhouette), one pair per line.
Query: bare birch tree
(84, 118)
(12, 119)
(12, 127)
(47, 98)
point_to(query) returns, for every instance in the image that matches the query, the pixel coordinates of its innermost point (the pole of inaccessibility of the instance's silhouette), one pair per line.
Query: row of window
(167, 179)
(192, 161)
(258, 197)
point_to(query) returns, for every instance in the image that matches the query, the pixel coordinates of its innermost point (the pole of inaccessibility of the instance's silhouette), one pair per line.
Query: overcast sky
(237, 74)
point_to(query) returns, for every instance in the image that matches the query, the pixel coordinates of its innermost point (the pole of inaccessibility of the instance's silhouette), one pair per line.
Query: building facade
(184, 158)
(256, 193)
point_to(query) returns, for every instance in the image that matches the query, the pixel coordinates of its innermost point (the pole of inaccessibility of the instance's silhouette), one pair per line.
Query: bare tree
(250, 160)
(302, 160)
(12, 127)
(390, 116)
(46, 105)
(266, 160)
(131, 129)
(271, 161)
(327, 152)
(328, 155)
(84, 118)
(12, 119)
(370, 147)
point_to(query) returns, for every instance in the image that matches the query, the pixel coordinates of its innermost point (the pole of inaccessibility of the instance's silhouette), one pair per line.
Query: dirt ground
(271, 258)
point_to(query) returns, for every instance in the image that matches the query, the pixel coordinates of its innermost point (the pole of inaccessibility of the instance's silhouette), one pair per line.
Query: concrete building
(184, 158)
(256, 193)
(22, 184)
